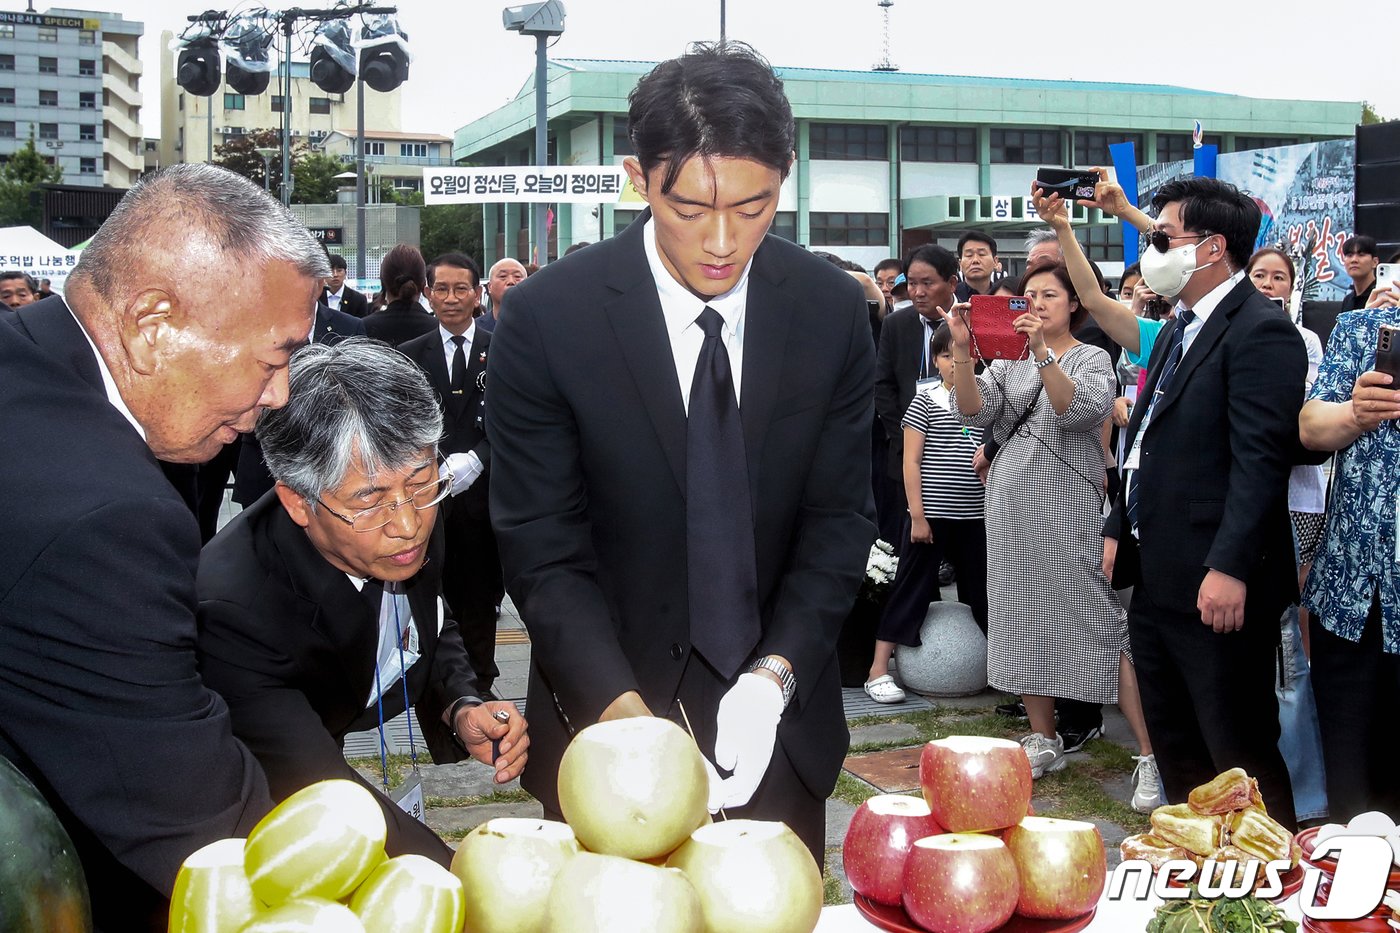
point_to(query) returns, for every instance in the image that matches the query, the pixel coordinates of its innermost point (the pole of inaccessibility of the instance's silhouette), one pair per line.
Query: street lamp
(540, 20)
(267, 152)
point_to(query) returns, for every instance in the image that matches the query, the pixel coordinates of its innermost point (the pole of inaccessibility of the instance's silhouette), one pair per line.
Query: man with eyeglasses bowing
(320, 609)
(453, 355)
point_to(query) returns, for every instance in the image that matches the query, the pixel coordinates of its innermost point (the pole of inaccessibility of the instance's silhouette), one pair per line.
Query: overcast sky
(466, 64)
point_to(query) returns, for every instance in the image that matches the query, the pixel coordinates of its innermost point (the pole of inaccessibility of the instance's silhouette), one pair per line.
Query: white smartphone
(1388, 272)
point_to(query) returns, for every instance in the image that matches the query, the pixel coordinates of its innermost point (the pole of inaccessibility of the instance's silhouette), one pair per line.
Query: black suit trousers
(1209, 698)
(469, 584)
(1358, 690)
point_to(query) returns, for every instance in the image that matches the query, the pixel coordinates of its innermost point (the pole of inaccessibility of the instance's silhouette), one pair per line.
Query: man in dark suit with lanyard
(680, 436)
(904, 361)
(454, 358)
(146, 356)
(319, 607)
(1200, 527)
(251, 480)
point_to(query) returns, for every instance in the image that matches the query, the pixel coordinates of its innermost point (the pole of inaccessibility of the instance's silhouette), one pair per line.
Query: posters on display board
(29, 251)
(1305, 194)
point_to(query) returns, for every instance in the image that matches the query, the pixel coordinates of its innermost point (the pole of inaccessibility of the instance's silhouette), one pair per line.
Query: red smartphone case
(990, 320)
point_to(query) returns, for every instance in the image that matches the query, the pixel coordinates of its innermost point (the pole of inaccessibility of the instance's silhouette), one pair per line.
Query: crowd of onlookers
(1016, 479)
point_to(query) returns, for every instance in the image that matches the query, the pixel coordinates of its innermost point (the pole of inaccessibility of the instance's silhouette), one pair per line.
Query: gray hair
(358, 397)
(1038, 236)
(245, 223)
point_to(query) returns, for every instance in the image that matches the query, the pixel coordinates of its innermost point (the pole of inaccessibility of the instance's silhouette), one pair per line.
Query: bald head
(505, 274)
(195, 355)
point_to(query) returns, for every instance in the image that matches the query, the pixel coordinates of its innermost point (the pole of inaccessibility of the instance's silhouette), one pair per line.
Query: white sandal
(883, 689)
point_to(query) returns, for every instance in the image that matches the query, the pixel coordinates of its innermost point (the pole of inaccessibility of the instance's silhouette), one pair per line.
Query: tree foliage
(315, 178)
(19, 180)
(446, 228)
(1369, 115)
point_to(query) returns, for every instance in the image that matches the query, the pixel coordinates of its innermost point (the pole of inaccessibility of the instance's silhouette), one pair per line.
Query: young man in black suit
(454, 358)
(680, 435)
(145, 356)
(341, 297)
(1200, 527)
(319, 607)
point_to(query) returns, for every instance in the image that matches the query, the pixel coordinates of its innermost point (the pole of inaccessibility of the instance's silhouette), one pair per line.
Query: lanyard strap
(392, 592)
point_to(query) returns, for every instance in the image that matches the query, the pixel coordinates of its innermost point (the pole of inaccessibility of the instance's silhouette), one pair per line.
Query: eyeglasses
(461, 290)
(1162, 242)
(376, 517)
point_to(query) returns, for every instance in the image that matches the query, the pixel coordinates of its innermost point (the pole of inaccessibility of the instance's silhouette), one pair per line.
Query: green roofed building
(889, 160)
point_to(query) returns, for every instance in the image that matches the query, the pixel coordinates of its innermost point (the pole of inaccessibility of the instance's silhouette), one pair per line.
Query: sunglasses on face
(1162, 242)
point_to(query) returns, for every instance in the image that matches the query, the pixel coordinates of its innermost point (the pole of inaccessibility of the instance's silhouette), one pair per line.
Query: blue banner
(1206, 160)
(1125, 165)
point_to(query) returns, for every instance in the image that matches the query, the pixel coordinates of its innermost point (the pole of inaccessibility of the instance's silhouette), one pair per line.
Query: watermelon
(42, 888)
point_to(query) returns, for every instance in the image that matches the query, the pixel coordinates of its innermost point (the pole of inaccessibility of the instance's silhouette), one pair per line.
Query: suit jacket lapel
(640, 328)
(1211, 332)
(476, 364)
(767, 317)
(341, 614)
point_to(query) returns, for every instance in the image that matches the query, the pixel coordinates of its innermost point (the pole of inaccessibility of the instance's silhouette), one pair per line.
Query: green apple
(507, 866)
(410, 894)
(608, 894)
(752, 876)
(633, 787)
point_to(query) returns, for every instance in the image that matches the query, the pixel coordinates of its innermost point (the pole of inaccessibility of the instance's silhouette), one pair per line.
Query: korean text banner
(553, 184)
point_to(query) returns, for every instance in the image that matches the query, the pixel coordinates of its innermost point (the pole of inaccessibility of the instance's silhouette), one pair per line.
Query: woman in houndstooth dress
(1055, 626)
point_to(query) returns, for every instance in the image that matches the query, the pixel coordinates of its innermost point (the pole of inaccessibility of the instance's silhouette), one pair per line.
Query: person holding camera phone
(1353, 591)
(1055, 626)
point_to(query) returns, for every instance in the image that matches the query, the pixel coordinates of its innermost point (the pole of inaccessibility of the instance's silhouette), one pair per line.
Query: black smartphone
(1071, 184)
(1388, 352)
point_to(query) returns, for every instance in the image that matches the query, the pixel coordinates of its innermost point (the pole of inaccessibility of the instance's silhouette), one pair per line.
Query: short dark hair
(891, 263)
(1360, 244)
(977, 236)
(839, 262)
(16, 274)
(942, 260)
(1061, 274)
(717, 100)
(456, 261)
(1214, 206)
(337, 261)
(1134, 270)
(576, 247)
(942, 341)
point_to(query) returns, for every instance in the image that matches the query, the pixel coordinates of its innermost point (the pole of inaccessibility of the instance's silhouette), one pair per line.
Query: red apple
(1061, 866)
(960, 883)
(878, 840)
(975, 784)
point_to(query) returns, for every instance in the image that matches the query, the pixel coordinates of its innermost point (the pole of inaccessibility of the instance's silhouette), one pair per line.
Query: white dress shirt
(681, 308)
(333, 299)
(466, 466)
(108, 382)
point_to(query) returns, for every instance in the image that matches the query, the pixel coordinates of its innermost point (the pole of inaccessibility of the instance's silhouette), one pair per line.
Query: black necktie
(459, 366)
(930, 367)
(373, 592)
(723, 579)
(1175, 351)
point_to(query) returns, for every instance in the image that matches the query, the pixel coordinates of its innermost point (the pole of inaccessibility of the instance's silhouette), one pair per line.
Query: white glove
(745, 729)
(466, 468)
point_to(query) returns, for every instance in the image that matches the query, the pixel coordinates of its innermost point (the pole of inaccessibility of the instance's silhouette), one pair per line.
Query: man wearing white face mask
(1201, 526)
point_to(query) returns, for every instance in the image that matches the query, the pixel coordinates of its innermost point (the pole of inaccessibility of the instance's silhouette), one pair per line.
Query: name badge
(1134, 455)
(408, 797)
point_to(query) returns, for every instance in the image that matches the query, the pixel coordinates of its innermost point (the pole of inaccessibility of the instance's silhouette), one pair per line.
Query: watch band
(1049, 358)
(452, 717)
(783, 672)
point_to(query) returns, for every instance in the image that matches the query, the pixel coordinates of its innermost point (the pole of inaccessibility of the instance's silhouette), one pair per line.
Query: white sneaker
(1147, 784)
(1046, 755)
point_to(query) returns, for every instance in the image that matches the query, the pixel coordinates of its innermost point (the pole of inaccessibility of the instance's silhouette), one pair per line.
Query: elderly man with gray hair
(145, 356)
(320, 609)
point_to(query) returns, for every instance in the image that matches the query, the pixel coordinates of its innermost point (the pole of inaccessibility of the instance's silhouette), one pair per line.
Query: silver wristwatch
(1049, 358)
(783, 672)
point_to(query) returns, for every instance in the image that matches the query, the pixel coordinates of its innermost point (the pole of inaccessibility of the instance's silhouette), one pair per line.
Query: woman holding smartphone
(1055, 626)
